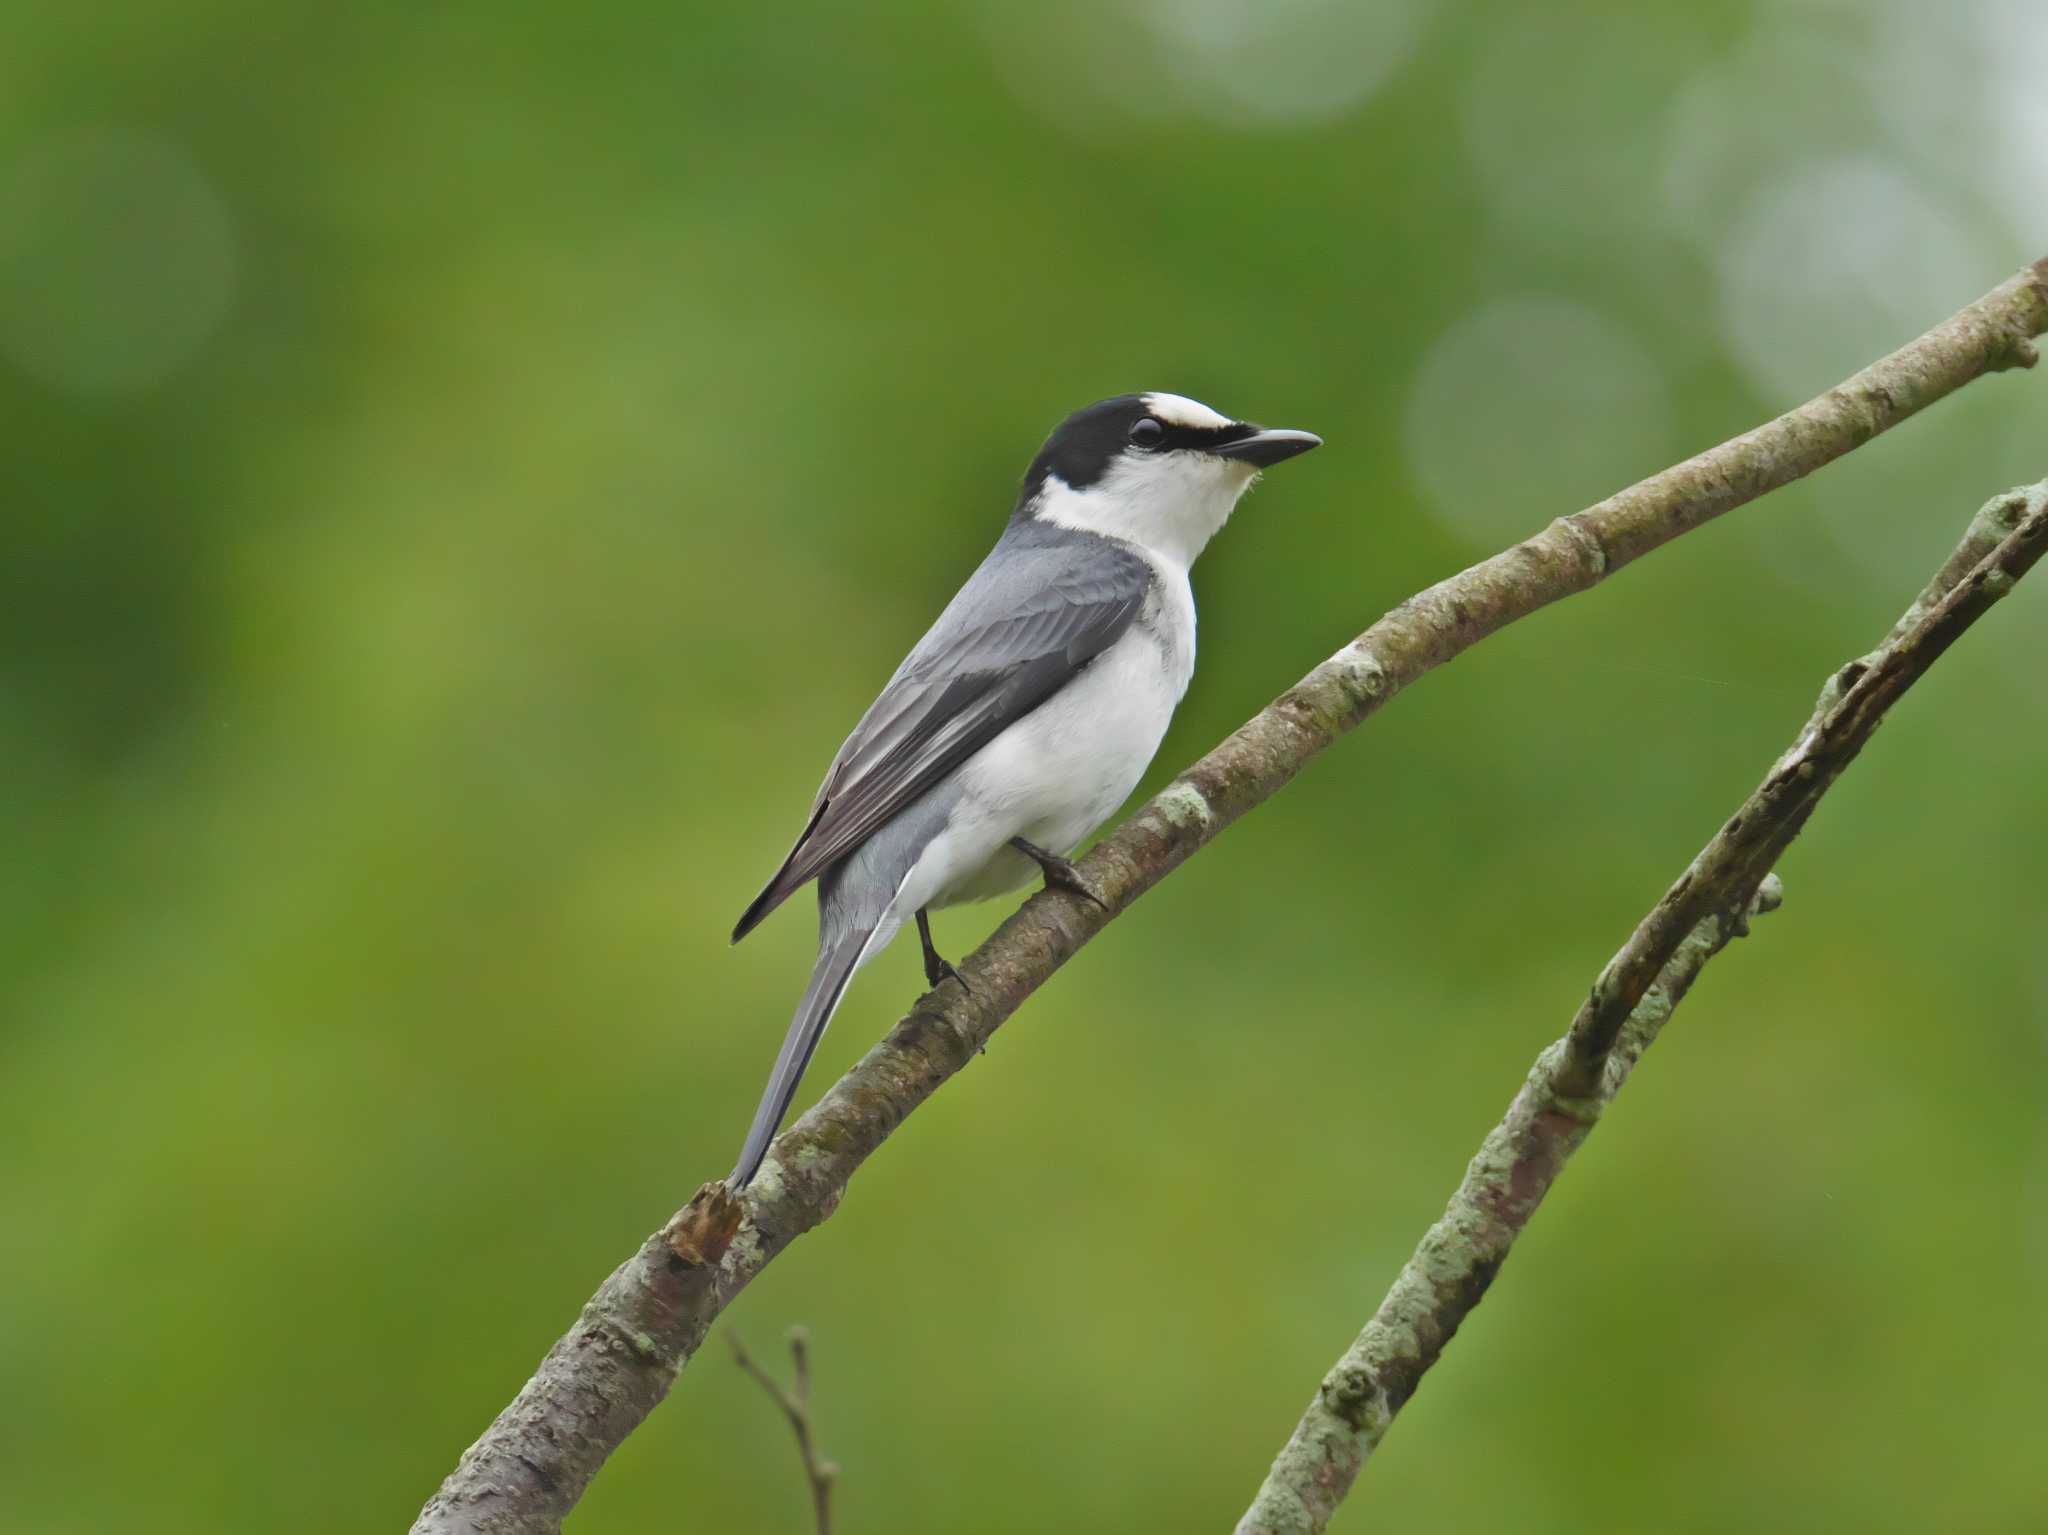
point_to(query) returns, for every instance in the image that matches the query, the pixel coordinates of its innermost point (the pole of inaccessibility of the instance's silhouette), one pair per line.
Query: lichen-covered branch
(1576, 1077)
(649, 1317)
(2005, 538)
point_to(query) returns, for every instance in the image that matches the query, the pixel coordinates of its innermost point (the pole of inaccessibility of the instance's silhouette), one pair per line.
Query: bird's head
(1159, 470)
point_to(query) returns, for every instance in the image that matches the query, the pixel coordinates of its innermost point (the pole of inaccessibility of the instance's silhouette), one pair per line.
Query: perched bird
(1028, 712)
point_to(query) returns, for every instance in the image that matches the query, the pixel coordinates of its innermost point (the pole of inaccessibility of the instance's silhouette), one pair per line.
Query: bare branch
(1575, 1078)
(796, 1406)
(1728, 870)
(608, 1372)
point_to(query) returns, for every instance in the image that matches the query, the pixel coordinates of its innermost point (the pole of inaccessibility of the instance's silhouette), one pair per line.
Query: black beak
(1269, 447)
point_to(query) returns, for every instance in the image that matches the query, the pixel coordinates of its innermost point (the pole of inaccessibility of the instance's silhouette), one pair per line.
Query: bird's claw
(936, 967)
(1060, 873)
(937, 971)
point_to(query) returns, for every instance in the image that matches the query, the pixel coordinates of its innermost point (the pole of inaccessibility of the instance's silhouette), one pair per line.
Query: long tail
(838, 958)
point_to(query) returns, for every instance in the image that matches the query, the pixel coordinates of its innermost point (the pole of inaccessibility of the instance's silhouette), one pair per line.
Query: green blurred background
(465, 468)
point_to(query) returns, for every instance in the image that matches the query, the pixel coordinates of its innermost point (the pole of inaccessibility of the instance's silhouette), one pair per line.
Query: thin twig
(1574, 1080)
(796, 1406)
(645, 1322)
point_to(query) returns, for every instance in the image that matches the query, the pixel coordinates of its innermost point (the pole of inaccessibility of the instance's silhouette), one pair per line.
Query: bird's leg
(935, 968)
(1059, 872)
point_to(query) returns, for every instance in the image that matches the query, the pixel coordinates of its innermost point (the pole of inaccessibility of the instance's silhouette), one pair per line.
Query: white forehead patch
(1179, 410)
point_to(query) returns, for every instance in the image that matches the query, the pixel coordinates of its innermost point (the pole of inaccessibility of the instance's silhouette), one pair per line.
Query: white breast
(1062, 770)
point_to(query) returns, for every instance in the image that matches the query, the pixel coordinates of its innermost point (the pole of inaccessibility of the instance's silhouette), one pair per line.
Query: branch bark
(646, 1321)
(1575, 1079)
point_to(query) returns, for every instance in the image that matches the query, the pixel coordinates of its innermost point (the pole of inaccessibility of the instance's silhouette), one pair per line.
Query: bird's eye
(1146, 432)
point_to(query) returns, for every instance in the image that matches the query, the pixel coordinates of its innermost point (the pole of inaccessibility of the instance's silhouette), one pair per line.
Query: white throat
(1170, 505)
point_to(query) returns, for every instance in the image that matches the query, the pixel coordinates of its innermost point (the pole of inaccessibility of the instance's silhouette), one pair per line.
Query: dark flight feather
(1045, 603)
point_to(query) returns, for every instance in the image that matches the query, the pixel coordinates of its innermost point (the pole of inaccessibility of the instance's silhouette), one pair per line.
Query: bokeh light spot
(1529, 408)
(117, 261)
(1830, 255)
(1283, 63)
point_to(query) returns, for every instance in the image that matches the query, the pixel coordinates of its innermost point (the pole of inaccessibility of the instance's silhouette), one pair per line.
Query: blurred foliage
(466, 467)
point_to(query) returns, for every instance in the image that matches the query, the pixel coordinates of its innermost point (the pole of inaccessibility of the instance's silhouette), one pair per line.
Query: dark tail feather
(789, 879)
(837, 960)
(777, 890)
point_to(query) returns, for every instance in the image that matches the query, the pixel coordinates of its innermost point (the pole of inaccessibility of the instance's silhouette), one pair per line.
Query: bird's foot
(1060, 873)
(936, 967)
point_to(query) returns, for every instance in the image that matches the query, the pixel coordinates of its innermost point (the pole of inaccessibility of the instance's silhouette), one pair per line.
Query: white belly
(1062, 770)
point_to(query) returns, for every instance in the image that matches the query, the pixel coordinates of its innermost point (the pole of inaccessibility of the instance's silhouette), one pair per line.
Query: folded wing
(1043, 605)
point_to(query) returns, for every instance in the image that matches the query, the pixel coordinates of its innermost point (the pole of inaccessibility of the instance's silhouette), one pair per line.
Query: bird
(1029, 710)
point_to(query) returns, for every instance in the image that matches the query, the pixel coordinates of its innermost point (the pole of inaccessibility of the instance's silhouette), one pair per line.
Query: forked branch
(795, 1402)
(646, 1321)
(1578, 1076)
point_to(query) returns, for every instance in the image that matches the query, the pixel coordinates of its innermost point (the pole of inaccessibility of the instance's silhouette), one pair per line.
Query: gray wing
(1043, 605)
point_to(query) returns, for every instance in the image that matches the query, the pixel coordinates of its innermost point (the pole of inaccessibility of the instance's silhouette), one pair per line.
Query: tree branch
(796, 1406)
(602, 1378)
(1575, 1078)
